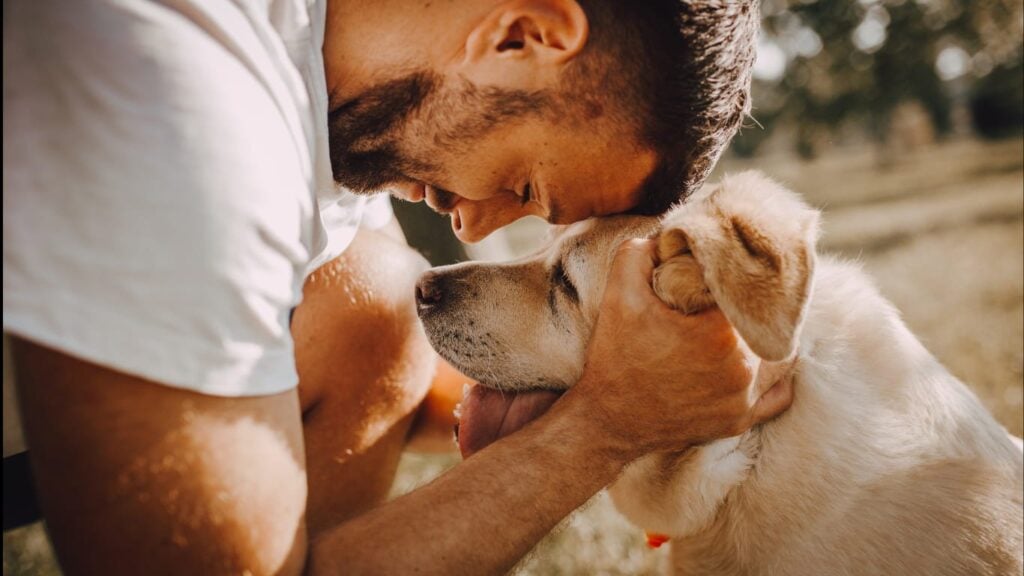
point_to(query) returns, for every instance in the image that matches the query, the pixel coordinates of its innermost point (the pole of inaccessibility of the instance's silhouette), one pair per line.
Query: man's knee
(356, 331)
(364, 367)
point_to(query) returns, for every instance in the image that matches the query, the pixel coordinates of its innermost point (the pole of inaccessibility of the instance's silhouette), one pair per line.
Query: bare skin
(221, 483)
(364, 368)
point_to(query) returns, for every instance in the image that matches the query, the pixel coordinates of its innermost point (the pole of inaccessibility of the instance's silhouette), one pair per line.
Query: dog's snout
(429, 291)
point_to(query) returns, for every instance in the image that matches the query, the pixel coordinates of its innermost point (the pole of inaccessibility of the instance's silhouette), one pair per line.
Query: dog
(884, 464)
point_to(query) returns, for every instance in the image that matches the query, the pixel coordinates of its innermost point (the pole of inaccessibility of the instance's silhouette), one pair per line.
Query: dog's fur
(884, 464)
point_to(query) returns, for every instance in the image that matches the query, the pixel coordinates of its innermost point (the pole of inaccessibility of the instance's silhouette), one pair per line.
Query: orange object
(656, 540)
(445, 393)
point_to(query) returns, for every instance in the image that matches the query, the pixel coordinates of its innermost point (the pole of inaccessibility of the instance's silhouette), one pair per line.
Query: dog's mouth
(487, 415)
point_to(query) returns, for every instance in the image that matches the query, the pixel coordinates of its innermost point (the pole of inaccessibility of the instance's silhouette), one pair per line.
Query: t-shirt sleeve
(157, 207)
(378, 212)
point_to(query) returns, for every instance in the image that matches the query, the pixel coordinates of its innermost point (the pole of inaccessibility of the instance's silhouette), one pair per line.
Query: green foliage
(996, 102)
(842, 63)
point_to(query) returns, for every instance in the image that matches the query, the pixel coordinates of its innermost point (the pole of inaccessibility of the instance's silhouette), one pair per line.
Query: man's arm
(482, 516)
(138, 478)
(135, 477)
(635, 397)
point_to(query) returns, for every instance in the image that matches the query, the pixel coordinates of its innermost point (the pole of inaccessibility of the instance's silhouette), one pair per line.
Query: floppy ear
(747, 245)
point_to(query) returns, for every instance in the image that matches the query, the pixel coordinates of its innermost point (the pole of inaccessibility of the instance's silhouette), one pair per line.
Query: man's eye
(527, 192)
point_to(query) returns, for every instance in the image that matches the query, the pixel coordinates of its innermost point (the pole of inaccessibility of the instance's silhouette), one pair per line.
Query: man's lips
(488, 415)
(441, 201)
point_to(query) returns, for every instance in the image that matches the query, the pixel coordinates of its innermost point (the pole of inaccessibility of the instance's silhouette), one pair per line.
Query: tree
(826, 64)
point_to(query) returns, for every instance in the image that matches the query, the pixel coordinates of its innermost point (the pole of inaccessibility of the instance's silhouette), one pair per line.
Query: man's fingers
(630, 281)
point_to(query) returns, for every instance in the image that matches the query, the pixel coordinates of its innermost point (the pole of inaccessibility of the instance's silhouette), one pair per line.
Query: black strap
(20, 504)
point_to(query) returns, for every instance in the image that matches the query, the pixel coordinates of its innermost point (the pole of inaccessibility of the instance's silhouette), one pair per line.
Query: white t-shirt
(167, 184)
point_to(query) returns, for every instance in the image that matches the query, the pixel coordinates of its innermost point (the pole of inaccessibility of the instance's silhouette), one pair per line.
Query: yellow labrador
(884, 464)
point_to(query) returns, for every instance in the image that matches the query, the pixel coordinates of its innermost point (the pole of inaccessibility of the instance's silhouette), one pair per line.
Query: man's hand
(660, 380)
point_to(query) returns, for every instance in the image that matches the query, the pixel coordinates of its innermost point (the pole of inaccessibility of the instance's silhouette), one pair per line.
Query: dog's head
(746, 245)
(525, 324)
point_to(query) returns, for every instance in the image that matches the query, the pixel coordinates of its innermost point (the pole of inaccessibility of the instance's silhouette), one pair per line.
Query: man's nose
(429, 292)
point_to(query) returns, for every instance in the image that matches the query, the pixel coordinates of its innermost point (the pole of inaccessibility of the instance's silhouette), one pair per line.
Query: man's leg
(364, 367)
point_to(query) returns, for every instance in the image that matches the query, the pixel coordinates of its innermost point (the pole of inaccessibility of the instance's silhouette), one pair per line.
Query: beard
(363, 133)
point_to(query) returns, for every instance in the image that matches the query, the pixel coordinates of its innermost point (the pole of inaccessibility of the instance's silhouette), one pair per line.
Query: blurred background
(904, 121)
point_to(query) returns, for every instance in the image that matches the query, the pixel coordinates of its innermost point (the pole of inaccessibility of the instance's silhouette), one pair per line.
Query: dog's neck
(769, 374)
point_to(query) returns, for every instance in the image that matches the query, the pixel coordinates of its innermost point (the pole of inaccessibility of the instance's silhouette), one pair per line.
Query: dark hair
(361, 132)
(678, 69)
(364, 133)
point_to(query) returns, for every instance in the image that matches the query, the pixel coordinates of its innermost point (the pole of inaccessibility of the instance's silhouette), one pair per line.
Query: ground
(942, 232)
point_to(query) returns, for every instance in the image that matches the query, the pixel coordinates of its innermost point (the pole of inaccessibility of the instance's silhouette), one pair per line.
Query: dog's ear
(747, 245)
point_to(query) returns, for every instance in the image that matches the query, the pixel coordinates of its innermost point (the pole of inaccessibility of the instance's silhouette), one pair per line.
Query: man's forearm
(487, 512)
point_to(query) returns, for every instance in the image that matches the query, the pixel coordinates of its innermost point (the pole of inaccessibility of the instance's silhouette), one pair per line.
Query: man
(168, 187)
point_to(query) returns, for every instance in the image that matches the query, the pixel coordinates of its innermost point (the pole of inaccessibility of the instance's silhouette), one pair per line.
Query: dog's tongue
(488, 415)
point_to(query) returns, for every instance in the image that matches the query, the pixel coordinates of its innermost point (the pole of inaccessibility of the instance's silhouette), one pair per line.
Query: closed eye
(561, 279)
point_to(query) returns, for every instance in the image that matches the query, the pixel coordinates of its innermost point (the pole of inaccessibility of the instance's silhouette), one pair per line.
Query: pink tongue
(489, 415)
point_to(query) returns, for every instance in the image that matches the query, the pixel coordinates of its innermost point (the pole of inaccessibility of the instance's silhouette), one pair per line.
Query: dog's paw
(678, 279)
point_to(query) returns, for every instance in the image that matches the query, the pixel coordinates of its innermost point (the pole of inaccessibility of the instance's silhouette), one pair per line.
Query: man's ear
(753, 242)
(524, 43)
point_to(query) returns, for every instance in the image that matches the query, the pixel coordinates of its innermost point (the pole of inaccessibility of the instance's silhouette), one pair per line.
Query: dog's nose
(429, 291)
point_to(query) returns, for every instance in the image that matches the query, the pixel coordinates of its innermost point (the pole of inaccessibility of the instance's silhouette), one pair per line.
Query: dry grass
(942, 232)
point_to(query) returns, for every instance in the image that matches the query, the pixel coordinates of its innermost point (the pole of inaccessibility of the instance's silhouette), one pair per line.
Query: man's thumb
(633, 265)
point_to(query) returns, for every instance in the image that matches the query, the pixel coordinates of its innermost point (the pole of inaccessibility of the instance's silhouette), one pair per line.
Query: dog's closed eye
(560, 278)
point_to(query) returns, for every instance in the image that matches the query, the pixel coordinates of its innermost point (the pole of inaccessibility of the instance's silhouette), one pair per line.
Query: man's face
(563, 174)
(486, 154)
